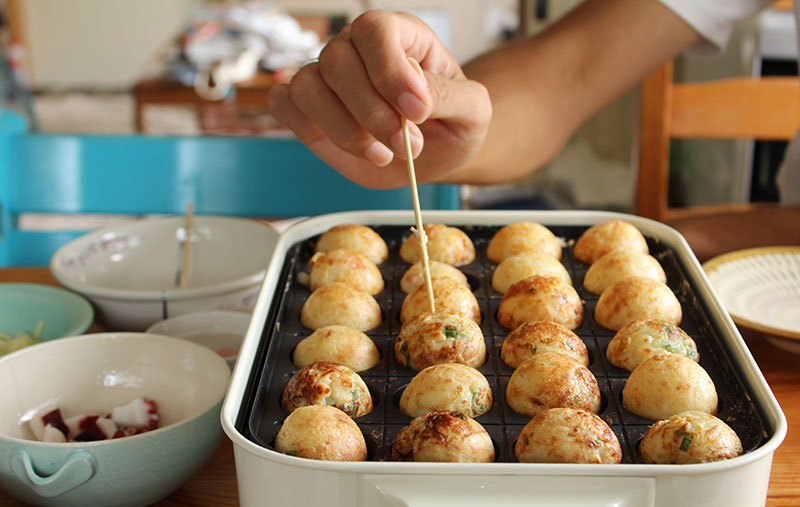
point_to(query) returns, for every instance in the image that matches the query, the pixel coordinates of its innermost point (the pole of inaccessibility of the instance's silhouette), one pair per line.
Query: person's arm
(347, 107)
(545, 87)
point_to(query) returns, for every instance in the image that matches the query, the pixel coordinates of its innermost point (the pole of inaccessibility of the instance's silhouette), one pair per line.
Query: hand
(347, 107)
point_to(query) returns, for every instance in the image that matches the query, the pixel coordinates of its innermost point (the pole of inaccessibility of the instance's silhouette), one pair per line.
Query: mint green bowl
(23, 305)
(92, 374)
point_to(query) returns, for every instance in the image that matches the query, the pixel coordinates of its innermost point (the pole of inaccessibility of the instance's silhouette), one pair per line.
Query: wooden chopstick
(186, 243)
(421, 236)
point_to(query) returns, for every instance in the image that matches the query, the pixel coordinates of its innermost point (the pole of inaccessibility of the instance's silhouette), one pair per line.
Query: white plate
(760, 288)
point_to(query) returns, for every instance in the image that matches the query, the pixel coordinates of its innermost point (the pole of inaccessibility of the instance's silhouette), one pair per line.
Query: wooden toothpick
(421, 236)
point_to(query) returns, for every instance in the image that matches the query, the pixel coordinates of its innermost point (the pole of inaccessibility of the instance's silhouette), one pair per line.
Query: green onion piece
(292, 453)
(451, 332)
(685, 443)
(406, 354)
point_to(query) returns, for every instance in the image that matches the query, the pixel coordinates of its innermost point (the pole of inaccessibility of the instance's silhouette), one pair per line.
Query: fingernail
(411, 106)
(378, 154)
(415, 138)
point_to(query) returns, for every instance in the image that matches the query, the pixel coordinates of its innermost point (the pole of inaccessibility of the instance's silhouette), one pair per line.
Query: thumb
(459, 100)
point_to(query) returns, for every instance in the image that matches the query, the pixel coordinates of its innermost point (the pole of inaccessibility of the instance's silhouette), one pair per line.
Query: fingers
(341, 68)
(317, 101)
(384, 41)
(461, 102)
(280, 104)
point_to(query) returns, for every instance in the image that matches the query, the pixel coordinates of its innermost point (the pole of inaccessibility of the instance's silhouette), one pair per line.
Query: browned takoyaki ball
(541, 336)
(448, 386)
(689, 437)
(518, 267)
(637, 298)
(337, 344)
(541, 298)
(358, 238)
(644, 338)
(445, 244)
(415, 275)
(550, 380)
(344, 266)
(605, 237)
(667, 384)
(443, 436)
(324, 383)
(340, 304)
(442, 337)
(567, 435)
(523, 237)
(321, 432)
(448, 296)
(618, 265)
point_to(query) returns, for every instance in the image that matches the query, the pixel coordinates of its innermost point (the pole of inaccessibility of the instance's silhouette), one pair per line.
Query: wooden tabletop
(215, 485)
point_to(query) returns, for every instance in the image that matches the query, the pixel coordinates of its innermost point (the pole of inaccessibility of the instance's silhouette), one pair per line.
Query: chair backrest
(765, 108)
(142, 175)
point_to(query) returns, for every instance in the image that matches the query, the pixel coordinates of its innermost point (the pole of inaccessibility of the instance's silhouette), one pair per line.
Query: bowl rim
(122, 335)
(175, 294)
(86, 310)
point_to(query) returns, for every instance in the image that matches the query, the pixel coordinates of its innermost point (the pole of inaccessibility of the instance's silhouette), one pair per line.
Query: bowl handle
(78, 468)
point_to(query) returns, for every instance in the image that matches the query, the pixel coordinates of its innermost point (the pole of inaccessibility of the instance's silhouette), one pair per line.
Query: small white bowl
(129, 270)
(221, 331)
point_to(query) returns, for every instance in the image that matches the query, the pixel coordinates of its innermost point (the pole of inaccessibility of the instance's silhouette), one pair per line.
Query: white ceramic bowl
(221, 331)
(129, 270)
(94, 373)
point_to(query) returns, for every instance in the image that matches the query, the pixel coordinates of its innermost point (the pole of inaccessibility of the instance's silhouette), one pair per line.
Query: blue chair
(139, 175)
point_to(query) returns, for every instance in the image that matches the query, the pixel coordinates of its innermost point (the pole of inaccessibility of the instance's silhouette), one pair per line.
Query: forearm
(543, 88)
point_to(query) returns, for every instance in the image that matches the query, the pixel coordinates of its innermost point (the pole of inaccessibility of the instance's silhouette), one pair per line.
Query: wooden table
(215, 485)
(249, 99)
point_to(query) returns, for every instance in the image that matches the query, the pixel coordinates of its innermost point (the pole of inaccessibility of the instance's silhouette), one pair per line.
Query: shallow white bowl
(129, 270)
(94, 373)
(221, 331)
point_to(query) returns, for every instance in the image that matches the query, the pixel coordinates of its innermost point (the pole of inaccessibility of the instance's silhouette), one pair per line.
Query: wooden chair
(767, 108)
(764, 108)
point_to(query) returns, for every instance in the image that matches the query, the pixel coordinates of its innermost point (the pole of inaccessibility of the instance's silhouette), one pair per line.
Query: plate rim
(716, 262)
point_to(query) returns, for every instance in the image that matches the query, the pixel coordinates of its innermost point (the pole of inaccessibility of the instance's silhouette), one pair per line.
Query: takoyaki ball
(448, 296)
(448, 386)
(340, 304)
(618, 265)
(344, 266)
(321, 432)
(324, 383)
(523, 237)
(667, 384)
(541, 298)
(689, 437)
(443, 436)
(518, 267)
(445, 244)
(358, 238)
(644, 338)
(443, 337)
(550, 380)
(337, 344)
(568, 435)
(415, 275)
(637, 298)
(542, 336)
(605, 237)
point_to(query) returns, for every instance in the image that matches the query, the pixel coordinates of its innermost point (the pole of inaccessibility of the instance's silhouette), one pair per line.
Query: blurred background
(192, 67)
